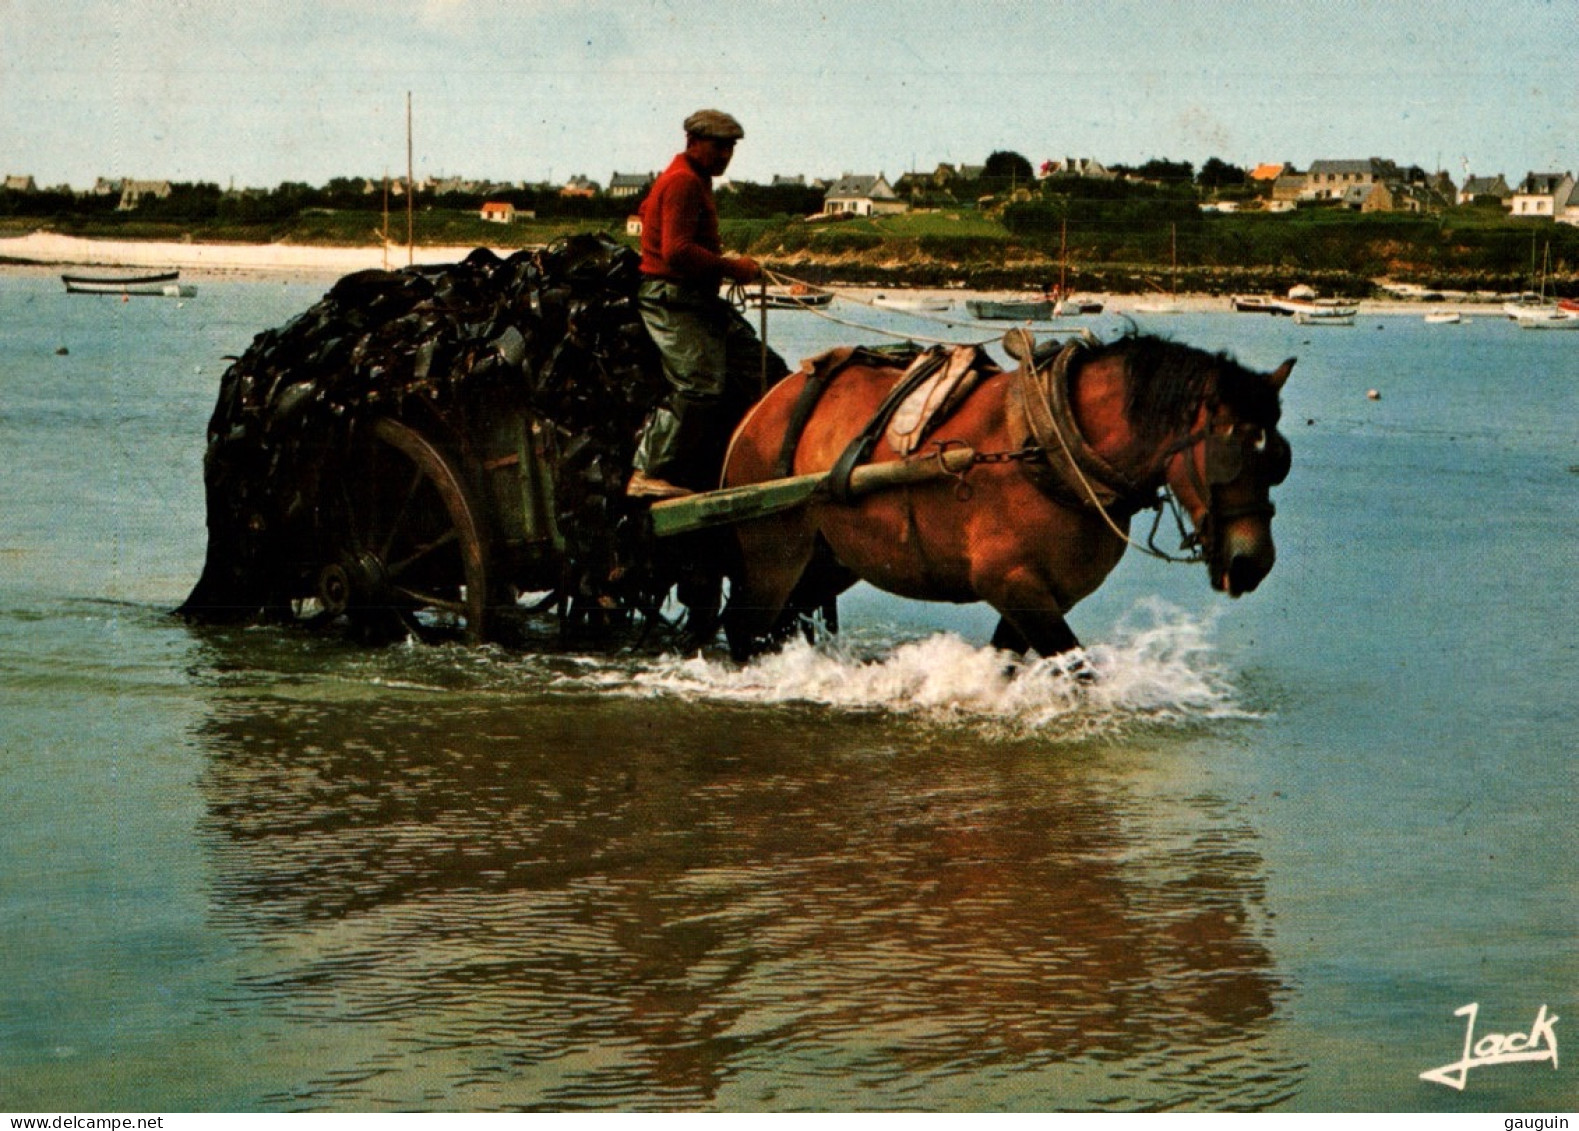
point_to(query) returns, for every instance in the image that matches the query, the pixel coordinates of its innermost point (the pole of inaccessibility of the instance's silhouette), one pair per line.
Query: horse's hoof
(1082, 673)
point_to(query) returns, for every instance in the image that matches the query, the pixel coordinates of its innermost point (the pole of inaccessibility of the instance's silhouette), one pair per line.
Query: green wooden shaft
(758, 500)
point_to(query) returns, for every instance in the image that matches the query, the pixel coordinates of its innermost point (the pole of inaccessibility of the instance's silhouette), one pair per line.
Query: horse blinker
(1226, 458)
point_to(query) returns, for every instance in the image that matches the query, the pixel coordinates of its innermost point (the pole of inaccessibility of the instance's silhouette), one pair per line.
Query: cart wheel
(412, 550)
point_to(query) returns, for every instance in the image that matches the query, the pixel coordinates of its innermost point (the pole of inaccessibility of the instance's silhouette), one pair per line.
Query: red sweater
(679, 228)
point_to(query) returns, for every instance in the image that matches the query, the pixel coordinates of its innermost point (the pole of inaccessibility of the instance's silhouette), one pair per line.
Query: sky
(256, 92)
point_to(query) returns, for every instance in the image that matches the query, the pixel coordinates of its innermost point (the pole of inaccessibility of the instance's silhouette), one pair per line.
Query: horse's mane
(1166, 382)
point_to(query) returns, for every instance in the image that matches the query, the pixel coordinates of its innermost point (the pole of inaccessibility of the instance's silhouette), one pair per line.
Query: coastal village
(1347, 228)
(1367, 185)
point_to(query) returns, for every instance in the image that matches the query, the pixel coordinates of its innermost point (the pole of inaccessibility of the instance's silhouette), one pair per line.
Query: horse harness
(1048, 416)
(936, 381)
(1048, 441)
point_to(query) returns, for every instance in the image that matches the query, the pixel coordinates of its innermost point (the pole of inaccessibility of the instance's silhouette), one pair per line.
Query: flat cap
(713, 123)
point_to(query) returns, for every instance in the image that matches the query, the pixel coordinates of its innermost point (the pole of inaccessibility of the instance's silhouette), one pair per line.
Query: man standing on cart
(712, 359)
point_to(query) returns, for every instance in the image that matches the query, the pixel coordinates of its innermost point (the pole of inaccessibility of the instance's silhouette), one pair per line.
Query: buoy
(1374, 394)
(62, 352)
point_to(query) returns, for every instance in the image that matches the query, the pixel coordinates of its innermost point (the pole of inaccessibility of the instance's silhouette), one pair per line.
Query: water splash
(1159, 668)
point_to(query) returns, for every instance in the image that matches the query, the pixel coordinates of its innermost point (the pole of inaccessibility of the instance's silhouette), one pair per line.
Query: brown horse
(1069, 447)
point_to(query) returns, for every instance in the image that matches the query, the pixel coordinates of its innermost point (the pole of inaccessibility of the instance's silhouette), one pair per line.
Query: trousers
(712, 362)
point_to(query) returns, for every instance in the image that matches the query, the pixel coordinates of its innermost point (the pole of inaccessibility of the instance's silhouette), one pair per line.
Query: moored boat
(1537, 312)
(1010, 310)
(912, 302)
(796, 297)
(1079, 305)
(1254, 304)
(161, 284)
(1314, 314)
(1552, 317)
(1443, 318)
(1308, 310)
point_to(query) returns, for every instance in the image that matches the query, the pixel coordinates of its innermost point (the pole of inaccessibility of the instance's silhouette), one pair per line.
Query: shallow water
(1257, 865)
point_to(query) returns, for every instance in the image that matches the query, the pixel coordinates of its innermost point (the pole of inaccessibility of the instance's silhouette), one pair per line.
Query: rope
(1058, 433)
(782, 279)
(1150, 550)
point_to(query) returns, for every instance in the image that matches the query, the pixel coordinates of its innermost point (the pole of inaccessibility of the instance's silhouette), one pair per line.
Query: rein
(1040, 409)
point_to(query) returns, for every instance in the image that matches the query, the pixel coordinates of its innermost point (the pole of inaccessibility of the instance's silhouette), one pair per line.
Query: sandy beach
(47, 252)
(215, 260)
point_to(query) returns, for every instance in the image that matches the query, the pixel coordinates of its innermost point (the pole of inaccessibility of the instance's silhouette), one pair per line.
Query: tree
(1005, 170)
(1217, 174)
(1161, 169)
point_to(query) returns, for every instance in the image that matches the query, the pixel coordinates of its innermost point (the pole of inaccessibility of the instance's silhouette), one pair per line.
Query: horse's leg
(773, 557)
(817, 592)
(1007, 638)
(1030, 619)
(1053, 636)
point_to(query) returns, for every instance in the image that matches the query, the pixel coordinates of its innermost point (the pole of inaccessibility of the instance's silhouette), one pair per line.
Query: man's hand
(744, 269)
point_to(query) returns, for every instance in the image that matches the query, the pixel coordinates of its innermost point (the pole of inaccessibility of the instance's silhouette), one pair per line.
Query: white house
(863, 195)
(1543, 194)
(499, 212)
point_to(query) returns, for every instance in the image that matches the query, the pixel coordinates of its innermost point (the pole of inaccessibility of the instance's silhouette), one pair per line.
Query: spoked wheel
(411, 550)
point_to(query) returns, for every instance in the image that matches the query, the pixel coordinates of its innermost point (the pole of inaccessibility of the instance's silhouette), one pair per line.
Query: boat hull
(1249, 304)
(1308, 313)
(923, 305)
(1547, 320)
(1323, 318)
(789, 300)
(998, 310)
(162, 284)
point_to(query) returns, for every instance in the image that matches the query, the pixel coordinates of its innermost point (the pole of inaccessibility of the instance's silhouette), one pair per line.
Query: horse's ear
(1278, 376)
(1019, 344)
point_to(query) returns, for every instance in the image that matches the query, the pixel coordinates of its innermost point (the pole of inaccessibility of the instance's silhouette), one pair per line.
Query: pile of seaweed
(555, 331)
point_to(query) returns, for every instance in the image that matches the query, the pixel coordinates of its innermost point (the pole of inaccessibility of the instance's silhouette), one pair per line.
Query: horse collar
(1076, 469)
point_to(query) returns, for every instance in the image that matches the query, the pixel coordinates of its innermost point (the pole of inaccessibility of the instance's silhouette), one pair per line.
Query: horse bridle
(1225, 459)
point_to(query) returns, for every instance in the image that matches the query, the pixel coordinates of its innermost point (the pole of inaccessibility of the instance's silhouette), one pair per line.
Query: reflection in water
(520, 901)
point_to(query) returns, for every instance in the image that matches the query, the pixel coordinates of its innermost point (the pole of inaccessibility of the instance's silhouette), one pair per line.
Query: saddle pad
(913, 418)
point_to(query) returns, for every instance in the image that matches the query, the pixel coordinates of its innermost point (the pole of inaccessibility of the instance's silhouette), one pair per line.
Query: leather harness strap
(821, 370)
(1074, 471)
(859, 450)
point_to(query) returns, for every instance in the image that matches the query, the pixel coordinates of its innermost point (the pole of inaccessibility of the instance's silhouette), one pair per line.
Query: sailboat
(1543, 314)
(1168, 304)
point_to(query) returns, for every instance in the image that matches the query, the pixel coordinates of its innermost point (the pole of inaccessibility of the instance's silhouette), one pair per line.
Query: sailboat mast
(1063, 258)
(411, 192)
(384, 235)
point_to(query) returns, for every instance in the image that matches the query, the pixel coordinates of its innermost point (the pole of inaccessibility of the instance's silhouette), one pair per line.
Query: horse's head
(1207, 427)
(1223, 471)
